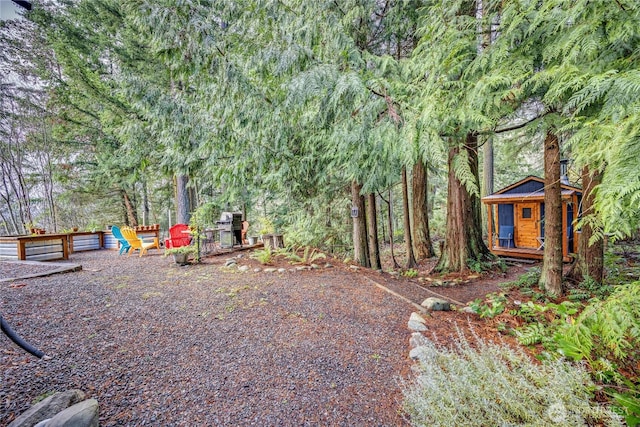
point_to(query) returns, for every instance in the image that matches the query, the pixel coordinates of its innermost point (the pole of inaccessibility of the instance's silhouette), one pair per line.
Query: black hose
(4, 326)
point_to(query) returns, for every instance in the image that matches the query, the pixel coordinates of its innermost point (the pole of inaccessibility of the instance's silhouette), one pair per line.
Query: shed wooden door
(527, 217)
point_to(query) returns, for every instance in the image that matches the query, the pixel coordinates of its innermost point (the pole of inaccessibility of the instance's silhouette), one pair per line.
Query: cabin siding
(526, 188)
(521, 205)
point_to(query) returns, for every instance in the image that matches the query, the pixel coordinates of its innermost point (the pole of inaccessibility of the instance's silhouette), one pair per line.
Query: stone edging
(417, 325)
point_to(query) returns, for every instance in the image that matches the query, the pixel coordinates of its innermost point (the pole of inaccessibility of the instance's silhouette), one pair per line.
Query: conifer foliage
(285, 106)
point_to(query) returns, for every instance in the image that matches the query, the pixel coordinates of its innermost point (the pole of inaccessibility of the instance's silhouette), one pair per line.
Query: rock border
(417, 325)
(62, 409)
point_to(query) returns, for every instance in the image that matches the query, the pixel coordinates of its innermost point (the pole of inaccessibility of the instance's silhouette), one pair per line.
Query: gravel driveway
(163, 345)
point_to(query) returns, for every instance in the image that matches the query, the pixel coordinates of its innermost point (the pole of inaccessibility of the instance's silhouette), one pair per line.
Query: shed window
(526, 212)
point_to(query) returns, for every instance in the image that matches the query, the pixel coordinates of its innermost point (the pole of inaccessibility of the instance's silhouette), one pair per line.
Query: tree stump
(267, 239)
(278, 241)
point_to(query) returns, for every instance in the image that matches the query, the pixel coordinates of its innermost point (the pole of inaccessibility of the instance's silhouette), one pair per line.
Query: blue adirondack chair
(506, 236)
(124, 245)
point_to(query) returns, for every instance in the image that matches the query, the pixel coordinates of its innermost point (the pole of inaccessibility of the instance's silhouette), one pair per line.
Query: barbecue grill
(230, 228)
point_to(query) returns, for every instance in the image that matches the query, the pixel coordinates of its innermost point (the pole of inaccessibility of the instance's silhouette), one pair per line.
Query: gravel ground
(10, 269)
(163, 345)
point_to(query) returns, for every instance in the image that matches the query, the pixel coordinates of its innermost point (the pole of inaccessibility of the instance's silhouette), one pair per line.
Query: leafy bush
(494, 305)
(309, 256)
(412, 272)
(532, 333)
(525, 281)
(542, 321)
(264, 256)
(607, 336)
(304, 227)
(479, 266)
(188, 249)
(608, 328)
(629, 404)
(493, 385)
(589, 288)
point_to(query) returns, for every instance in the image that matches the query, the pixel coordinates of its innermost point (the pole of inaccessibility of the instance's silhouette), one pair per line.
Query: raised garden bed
(42, 247)
(86, 241)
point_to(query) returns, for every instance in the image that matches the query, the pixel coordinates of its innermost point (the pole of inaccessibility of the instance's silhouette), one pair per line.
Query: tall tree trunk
(487, 166)
(383, 221)
(360, 248)
(145, 203)
(48, 186)
(411, 259)
(551, 275)
(372, 227)
(484, 39)
(463, 240)
(193, 199)
(420, 208)
(14, 178)
(16, 222)
(590, 262)
(390, 217)
(487, 174)
(182, 200)
(130, 209)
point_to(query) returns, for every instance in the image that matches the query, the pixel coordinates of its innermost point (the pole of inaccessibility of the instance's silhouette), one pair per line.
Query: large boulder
(436, 304)
(83, 414)
(48, 408)
(417, 322)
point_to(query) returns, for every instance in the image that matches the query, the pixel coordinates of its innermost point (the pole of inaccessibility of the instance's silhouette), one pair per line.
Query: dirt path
(159, 344)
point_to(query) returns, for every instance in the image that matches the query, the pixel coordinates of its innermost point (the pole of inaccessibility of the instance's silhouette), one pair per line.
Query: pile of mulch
(158, 344)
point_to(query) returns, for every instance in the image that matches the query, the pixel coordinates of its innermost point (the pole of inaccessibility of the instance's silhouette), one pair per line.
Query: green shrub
(412, 272)
(309, 256)
(589, 288)
(264, 256)
(493, 305)
(531, 334)
(493, 385)
(525, 282)
(628, 403)
(608, 328)
(542, 321)
(607, 336)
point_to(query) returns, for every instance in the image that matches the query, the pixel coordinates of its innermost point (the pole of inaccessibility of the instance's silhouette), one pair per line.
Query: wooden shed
(516, 219)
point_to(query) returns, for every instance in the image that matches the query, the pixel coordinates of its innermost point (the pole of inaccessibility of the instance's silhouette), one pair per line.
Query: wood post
(490, 228)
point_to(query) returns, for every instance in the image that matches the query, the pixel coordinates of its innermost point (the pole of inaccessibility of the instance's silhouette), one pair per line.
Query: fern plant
(412, 272)
(264, 256)
(525, 282)
(532, 334)
(543, 320)
(608, 328)
(607, 336)
(309, 256)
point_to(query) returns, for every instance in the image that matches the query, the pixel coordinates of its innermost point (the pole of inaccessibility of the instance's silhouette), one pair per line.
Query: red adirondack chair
(177, 237)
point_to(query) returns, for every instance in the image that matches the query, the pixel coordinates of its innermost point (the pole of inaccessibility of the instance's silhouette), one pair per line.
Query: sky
(7, 10)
